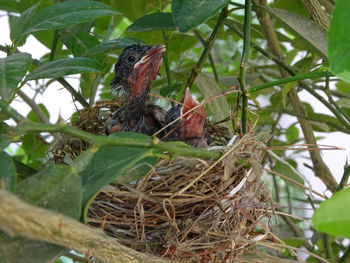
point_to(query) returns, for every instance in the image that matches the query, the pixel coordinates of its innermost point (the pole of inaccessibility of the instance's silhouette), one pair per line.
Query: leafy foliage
(84, 37)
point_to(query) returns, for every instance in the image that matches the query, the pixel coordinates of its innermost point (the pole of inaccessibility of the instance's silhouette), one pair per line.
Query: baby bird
(136, 68)
(190, 127)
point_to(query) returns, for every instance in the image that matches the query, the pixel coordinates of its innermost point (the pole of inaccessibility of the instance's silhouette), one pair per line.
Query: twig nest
(190, 209)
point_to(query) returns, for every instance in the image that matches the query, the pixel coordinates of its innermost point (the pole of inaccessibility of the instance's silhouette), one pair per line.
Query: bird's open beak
(156, 51)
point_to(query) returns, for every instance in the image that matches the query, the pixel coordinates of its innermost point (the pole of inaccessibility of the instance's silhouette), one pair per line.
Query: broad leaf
(111, 162)
(110, 46)
(134, 9)
(9, 6)
(338, 41)
(12, 70)
(312, 35)
(218, 106)
(57, 188)
(190, 13)
(61, 15)
(286, 170)
(7, 172)
(63, 67)
(4, 139)
(333, 216)
(156, 21)
(292, 133)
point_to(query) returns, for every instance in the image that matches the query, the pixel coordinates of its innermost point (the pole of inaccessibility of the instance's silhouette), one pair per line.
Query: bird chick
(190, 127)
(136, 68)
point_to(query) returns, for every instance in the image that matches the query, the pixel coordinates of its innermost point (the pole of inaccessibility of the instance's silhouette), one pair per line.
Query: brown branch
(21, 218)
(316, 13)
(320, 168)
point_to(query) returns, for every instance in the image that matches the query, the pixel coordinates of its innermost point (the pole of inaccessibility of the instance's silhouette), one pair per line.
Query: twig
(316, 74)
(54, 44)
(198, 67)
(344, 179)
(36, 109)
(211, 60)
(166, 58)
(33, 222)
(244, 66)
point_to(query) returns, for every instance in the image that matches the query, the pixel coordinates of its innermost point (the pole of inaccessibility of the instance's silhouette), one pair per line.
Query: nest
(185, 209)
(189, 209)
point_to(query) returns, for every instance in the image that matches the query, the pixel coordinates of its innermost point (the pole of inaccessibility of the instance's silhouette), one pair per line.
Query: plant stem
(54, 44)
(344, 178)
(198, 67)
(211, 60)
(244, 66)
(94, 89)
(312, 75)
(166, 58)
(36, 109)
(173, 150)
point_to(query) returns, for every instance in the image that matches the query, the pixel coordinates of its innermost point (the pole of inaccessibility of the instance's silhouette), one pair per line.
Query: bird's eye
(131, 58)
(173, 118)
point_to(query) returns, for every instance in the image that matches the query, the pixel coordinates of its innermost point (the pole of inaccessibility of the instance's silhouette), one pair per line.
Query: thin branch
(54, 44)
(198, 67)
(166, 59)
(35, 107)
(17, 216)
(344, 179)
(211, 60)
(316, 74)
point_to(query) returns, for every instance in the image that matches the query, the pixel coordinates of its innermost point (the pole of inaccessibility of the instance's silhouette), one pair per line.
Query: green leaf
(63, 67)
(9, 6)
(7, 172)
(210, 88)
(178, 44)
(4, 139)
(292, 133)
(111, 162)
(18, 24)
(79, 42)
(110, 46)
(344, 102)
(12, 70)
(338, 41)
(156, 21)
(312, 35)
(286, 170)
(190, 13)
(33, 117)
(333, 216)
(60, 15)
(133, 9)
(57, 188)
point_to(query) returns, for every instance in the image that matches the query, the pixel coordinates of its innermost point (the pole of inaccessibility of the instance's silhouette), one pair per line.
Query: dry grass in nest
(93, 120)
(190, 209)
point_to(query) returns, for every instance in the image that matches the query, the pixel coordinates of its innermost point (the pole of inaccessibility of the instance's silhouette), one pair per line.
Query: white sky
(58, 101)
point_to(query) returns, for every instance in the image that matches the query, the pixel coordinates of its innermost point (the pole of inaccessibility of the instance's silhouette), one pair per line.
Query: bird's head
(136, 68)
(191, 124)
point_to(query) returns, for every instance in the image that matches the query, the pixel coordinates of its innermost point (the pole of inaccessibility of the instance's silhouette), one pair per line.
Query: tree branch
(198, 67)
(21, 218)
(321, 169)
